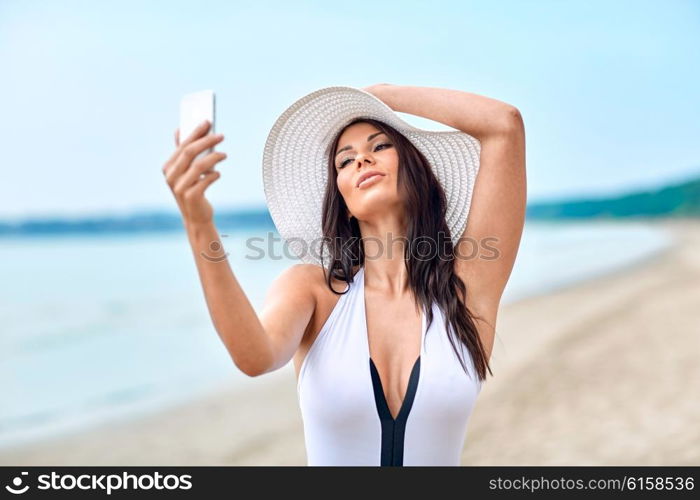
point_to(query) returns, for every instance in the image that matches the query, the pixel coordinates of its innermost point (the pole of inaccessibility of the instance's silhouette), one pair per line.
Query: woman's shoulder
(314, 276)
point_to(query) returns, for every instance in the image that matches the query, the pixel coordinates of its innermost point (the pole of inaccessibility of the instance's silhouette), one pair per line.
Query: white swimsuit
(346, 418)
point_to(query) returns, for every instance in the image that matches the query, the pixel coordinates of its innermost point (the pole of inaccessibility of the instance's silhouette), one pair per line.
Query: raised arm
(262, 343)
(256, 344)
(497, 213)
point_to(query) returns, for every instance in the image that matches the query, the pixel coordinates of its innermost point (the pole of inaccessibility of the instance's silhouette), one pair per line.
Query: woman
(390, 343)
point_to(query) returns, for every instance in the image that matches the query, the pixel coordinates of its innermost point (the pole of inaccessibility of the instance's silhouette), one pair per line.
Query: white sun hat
(295, 163)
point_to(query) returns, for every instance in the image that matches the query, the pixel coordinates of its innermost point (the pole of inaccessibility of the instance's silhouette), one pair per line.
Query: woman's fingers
(185, 156)
(200, 130)
(197, 132)
(191, 175)
(203, 182)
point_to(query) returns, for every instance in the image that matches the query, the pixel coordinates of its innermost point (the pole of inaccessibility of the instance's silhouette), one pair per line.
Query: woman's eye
(376, 148)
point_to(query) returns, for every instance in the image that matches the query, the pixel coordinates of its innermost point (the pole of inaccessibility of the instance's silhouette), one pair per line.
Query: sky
(609, 91)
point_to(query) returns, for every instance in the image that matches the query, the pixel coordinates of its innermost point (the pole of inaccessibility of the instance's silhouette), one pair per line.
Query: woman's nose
(362, 158)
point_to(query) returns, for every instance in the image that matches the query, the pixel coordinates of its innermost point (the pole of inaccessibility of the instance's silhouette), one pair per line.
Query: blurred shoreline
(590, 374)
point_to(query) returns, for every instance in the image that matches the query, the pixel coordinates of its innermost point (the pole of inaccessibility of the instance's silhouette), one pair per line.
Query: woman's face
(362, 149)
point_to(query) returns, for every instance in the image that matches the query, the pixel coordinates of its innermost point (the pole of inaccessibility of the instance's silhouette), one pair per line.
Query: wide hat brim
(295, 163)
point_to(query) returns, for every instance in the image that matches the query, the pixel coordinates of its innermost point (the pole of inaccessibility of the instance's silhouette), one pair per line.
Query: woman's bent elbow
(249, 369)
(513, 120)
(253, 367)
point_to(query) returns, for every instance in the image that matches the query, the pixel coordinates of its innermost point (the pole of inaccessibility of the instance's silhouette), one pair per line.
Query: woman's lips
(370, 180)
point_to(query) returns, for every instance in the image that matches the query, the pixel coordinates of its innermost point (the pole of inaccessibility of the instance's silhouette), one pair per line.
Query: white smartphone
(196, 107)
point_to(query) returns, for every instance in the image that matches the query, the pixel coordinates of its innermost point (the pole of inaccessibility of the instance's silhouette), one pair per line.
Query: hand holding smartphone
(187, 177)
(196, 107)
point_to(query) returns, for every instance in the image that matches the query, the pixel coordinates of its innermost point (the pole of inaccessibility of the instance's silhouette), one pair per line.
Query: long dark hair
(432, 280)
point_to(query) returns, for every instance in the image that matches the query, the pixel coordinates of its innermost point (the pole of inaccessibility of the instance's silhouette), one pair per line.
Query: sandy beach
(604, 372)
